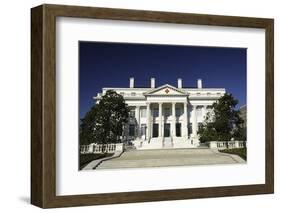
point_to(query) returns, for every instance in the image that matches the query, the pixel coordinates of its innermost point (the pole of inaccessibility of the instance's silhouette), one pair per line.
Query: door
(155, 131)
(167, 130)
(178, 129)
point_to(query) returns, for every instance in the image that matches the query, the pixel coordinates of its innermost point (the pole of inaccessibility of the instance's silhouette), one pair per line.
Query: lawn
(242, 152)
(87, 158)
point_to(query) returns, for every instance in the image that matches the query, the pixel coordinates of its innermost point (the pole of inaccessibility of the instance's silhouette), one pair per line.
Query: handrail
(101, 148)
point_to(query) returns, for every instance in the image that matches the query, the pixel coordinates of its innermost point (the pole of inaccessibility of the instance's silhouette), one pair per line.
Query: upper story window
(155, 112)
(143, 112)
(132, 113)
(178, 112)
(167, 112)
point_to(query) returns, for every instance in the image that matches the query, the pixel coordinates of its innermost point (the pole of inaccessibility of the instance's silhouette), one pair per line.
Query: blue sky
(105, 64)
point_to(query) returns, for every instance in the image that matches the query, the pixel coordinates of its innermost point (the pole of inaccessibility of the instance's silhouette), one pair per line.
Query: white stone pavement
(169, 157)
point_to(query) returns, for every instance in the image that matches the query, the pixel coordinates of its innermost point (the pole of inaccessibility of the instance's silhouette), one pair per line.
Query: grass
(87, 158)
(242, 152)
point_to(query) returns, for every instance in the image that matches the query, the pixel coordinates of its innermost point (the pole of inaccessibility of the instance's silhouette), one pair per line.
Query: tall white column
(160, 120)
(148, 127)
(184, 123)
(187, 120)
(173, 119)
(138, 121)
(204, 112)
(194, 122)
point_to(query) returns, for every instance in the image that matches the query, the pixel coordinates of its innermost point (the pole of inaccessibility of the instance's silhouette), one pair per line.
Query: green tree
(105, 121)
(87, 127)
(223, 123)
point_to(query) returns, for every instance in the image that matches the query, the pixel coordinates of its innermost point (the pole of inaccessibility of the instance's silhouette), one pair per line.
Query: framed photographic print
(136, 106)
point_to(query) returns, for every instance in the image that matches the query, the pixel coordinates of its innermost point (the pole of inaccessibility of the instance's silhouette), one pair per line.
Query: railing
(226, 144)
(205, 95)
(101, 148)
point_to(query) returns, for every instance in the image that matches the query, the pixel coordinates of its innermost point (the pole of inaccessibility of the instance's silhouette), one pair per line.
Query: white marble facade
(165, 116)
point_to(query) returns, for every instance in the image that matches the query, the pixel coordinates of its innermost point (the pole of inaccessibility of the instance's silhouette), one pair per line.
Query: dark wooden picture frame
(43, 105)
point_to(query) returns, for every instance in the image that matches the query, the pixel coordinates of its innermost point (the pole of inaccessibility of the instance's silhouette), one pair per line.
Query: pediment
(165, 90)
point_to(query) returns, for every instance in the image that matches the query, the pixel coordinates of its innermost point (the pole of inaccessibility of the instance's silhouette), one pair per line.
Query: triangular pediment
(165, 90)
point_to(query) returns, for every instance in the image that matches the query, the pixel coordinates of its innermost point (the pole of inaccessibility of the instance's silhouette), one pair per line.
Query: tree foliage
(223, 122)
(104, 122)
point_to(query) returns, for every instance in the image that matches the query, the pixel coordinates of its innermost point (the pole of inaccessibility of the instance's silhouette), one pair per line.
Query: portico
(163, 114)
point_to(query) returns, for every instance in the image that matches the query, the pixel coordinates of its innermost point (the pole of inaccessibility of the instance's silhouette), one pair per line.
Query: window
(143, 112)
(167, 112)
(131, 130)
(132, 113)
(155, 112)
(178, 112)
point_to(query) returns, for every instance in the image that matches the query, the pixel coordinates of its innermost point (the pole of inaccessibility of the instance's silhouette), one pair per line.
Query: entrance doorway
(155, 131)
(178, 129)
(167, 130)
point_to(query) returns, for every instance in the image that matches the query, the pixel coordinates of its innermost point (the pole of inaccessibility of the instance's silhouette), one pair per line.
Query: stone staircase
(183, 143)
(154, 143)
(167, 143)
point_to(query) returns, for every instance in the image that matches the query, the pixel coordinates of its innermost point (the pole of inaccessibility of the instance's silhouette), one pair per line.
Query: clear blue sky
(104, 64)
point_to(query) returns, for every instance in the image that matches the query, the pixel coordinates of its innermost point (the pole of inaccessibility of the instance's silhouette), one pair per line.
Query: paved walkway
(93, 164)
(169, 157)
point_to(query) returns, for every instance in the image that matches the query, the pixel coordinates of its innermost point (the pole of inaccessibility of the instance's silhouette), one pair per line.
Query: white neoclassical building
(165, 116)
